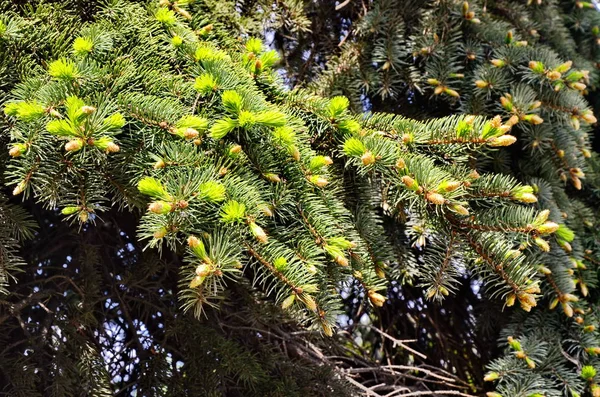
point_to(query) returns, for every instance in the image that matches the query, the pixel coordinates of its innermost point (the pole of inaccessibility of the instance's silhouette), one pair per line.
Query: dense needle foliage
(179, 221)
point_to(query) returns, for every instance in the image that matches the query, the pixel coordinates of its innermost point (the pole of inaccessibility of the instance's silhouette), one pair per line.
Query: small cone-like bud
(513, 120)
(318, 181)
(112, 147)
(435, 198)
(535, 105)
(376, 299)
(203, 270)
(589, 118)
(567, 309)
(491, 376)
(327, 329)
(88, 110)
(506, 103)
(498, 63)
(258, 233)
(74, 145)
(196, 281)
(160, 164)
(160, 207)
(547, 228)
(510, 300)
(190, 133)
(438, 90)
(576, 182)
(459, 209)
(400, 164)
(493, 394)
(15, 151)
(289, 301)
(309, 302)
(368, 158)
(578, 86)
(451, 92)
(160, 233)
(496, 122)
(19, 188)
(342, 260)
(528, 198)
(481, 84)
(543, 244)
(410, 182)
(553, 75)
(553, 304)
(433, 82)
(504, 140)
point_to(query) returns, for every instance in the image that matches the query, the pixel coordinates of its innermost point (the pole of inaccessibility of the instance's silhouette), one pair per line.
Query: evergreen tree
(532, 63)
(190, 226)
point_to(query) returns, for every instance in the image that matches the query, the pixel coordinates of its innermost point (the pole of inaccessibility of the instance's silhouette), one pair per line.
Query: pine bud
(543, 244)
(327, 329)
(499, 63)
(537, 67)
(160, 164)
(400, 164)
(576, 182)
(564, 67)
(435, 198)
(567, 309)
(203, 270)
(589, 328)
(19, 188)
(528, 198)
(513, 120)
(69, 210)
(318, 181)
(553, 75)
(578, 86)
(176, 41)
(17, 150)
(88, 110)
(530, 362)
(196, 281)
(433, 82)
(451, 92)
(589, 118)
(190, 133)
(520, 355)
(588, 372)
(504, 140)
(309, 302)
(258, 233)
(160, 207)
(481, 84)
(272, 177)
(376, 299)
(547, 228)
(527, 300)
(289, 301)
(493, 394)
(74, 145)
(342, 260)
(112, 147)
(510, 300)
(448, 186)
(160, 233)
(295, 153)
(410, 183)
(368, 158)
(506, 103)
(198, 248)
(535, 105)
